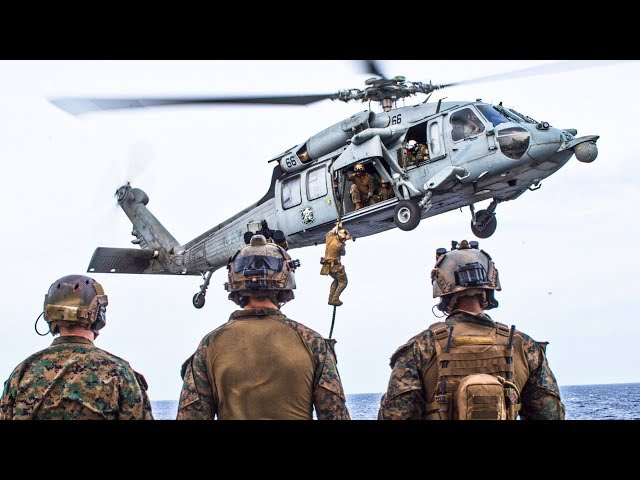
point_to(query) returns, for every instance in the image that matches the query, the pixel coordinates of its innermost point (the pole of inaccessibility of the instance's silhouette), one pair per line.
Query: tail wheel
(486, 224)
(406, 215)
(198, 300)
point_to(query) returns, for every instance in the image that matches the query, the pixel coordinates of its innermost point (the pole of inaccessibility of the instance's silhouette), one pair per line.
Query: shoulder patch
(186, 363)
(141, 380)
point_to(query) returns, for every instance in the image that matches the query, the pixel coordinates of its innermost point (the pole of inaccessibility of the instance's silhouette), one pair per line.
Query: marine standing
(261, 365)
(73, 379)
(435, 373)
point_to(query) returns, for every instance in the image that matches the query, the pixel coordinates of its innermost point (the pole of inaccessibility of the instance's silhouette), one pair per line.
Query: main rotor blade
(79, 105)
(539, 70)
(373, 67)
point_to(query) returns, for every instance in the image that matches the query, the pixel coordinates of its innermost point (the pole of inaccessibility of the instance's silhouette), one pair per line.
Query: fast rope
(333, 321)
(340, 212)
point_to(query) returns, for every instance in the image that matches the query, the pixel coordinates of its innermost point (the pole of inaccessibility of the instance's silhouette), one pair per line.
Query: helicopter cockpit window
(291, 192)
(493, 115)
(509, 114)
(465, 124)
(513, 142)
(316, 183)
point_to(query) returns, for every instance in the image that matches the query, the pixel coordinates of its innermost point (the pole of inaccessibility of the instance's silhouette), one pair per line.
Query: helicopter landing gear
(484, 222)
(406, 215)
(198, 298)
(425, 203)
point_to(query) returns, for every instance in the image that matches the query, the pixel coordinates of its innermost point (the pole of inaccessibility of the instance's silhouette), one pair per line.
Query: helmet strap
(35, 326)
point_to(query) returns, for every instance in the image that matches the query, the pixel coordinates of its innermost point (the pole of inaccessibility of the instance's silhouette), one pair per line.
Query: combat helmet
(261, 269)
(464, 270)
(75, 300)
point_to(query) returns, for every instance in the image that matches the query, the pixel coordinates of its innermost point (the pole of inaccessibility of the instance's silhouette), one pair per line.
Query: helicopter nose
(546, 145)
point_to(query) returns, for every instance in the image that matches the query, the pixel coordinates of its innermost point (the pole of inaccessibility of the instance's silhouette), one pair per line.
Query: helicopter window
(513, 142)
(316, 183)
(508, 114)
(291, 192)
(491, 114)
(465, 124)
(434, 135)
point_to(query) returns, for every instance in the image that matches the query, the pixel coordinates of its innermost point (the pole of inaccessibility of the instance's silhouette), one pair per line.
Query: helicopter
(437, 157)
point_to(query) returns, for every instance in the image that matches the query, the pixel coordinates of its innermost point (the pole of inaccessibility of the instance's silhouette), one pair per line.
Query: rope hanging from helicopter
(340, 213)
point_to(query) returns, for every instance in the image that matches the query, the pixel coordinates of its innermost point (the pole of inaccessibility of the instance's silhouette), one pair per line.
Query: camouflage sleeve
(403, 399)
(133, 401)
(7, 402)
(328, 395)
(146, 403)
(371, 185)
(540, 396)
(197, 400)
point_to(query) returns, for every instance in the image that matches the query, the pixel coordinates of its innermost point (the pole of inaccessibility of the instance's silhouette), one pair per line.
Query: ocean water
(619, 401)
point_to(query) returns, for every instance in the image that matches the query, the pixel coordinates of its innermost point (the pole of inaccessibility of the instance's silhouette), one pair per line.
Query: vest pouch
(481, 396)
(441, 408)
(512, 399)
(326, 266)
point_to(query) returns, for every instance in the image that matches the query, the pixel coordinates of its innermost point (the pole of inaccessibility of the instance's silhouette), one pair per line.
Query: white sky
(567, 253)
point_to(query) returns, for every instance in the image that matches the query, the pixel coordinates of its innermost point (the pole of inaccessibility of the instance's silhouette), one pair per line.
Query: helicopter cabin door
(435, 135)
(305, 200)
(466, 133)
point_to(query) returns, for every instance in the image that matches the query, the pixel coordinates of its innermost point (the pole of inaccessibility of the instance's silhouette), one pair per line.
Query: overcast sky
(567, 253)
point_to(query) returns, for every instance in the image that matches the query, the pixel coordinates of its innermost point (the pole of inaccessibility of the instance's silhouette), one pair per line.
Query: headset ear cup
(491, 300)
(101, 319)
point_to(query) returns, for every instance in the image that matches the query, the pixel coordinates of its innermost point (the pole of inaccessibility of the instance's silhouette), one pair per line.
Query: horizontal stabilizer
(120, 260)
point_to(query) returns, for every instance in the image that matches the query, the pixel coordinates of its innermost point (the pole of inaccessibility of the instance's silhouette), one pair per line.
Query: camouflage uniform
(262, 365)
(420, 154)
(362, 189)
(385, 193)
(334, 249)
(74, 380)
(407, 396)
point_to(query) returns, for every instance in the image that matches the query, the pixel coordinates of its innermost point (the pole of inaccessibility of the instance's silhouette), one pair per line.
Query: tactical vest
(477, 378)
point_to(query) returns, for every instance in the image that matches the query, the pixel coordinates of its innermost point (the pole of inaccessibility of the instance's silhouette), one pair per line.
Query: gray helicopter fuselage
(500, 162)
(476, 151)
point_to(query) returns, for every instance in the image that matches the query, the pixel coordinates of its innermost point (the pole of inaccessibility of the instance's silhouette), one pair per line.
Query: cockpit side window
(493, 115)
(465, 124)
(291, 192)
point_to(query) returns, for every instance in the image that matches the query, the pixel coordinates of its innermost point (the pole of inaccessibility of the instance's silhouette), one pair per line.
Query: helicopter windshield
(492, 114)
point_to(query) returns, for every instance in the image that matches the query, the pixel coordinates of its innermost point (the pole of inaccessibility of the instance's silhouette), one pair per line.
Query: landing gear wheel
(487, 221)
(198, 300)
(406, 215)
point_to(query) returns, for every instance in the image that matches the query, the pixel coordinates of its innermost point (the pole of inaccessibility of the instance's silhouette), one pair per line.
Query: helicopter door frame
(435, 138)
(468, 147)
(312, 204)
